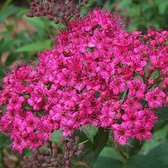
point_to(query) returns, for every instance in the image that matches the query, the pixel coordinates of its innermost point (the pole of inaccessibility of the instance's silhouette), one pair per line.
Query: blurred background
(22, 37)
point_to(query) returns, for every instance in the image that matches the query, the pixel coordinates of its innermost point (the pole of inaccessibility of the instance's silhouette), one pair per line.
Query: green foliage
(107, 162)
(36, 46)
(162, 113)
(156, 158)
(4, 141)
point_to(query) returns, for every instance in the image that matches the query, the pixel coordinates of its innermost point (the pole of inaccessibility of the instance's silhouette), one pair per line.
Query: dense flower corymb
(97, 74)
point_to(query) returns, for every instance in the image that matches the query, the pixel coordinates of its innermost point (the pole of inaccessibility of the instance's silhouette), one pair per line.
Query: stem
(123, 154)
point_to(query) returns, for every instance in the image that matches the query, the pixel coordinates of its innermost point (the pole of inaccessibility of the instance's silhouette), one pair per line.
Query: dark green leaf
(110, 152)
(92, 150)
(107, 162)
(11, 58)
(162, 113)
(90, 3)
(90, 132)
(156, 158)
(100, 141)
(4, 141)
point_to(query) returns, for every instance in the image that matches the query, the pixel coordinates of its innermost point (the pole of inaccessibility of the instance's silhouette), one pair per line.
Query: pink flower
(136, 88)
(155, 98)
(96, 74)
(117, 85)
(142, 131)
(131, 118)
(131, 104)
(121, 133)
(107, 117)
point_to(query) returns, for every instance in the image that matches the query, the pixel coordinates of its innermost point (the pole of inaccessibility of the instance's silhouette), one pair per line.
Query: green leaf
(1, 73)
(10, 27)
(100, 141)
(125, 3)
(106, 162)
(92, 150)
(8, 12)
(11, 58)
(4, 141)
(111, 153)
(6, 44)
(28, 152)
(22, 12)
(162, 113)
(109, 158)
(133, 12)
(90, 131)
(163, 6)
(56, 135)
(156, 158)
(83, 10)
(36, 46)
(158, 138)
(90, 3)
(5, 5)
(36, 21)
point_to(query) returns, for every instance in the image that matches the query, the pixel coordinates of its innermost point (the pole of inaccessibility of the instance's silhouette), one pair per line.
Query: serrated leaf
(36, 46)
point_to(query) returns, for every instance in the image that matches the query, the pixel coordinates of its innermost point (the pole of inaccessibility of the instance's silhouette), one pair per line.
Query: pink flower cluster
(96, 74)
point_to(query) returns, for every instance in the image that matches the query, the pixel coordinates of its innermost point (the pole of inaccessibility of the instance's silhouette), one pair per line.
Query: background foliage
(22, 37)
